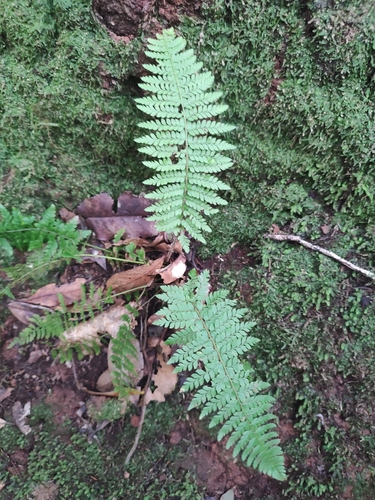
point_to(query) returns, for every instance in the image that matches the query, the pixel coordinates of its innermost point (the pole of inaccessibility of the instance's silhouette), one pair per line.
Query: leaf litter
(115, 225)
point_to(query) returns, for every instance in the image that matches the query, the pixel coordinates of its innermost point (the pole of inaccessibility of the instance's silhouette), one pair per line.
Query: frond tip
(211, 333)
(182, 138)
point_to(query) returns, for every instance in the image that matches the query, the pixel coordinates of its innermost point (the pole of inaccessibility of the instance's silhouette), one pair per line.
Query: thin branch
(143, 343)
(316, 248)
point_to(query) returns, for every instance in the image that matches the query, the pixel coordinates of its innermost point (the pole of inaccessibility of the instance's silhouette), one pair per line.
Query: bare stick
(298, 239)
(143, 341)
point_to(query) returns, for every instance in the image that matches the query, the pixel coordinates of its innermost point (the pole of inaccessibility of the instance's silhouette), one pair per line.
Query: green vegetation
(299, 81)
(68, 118)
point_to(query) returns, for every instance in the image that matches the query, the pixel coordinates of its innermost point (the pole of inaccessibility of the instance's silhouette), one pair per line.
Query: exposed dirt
(124, 20)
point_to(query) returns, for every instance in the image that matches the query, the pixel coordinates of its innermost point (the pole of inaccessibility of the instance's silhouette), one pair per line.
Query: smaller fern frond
(124, 356)
(211, 332)
(182, 138)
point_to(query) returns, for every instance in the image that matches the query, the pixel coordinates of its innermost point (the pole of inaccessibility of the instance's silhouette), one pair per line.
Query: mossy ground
(298, 79)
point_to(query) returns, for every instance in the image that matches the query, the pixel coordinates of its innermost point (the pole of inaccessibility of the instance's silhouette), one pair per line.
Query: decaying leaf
(105, 228)
(5, 393)
(134, 278)
(24, 311)
(174, 271)
(45, 491)
(130, 216)
(48, 295)
(3, 423)
(165, 379)
(20, 414)
(108, 321)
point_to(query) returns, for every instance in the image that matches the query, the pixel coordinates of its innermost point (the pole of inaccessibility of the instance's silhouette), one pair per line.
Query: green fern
(123, 354)
(50, 241)
(182, 139)
(210, 331)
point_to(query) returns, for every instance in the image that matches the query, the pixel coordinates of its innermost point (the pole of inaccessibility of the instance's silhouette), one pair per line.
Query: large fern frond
(182, 138)
(211, 333)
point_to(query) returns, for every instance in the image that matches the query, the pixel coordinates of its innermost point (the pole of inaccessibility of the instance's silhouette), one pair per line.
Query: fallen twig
(298, 239)
(143, 341)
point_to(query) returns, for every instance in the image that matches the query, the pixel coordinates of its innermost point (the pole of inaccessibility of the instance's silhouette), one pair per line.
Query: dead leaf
(105, 382)
(108, 321)
(24, 311)
(229, 495)
(105, 228)
(97, 257)
(47, 296)
(66, 215)
(165, 379)
(3, 423)
(174, 271)
(135, 420)
(130, 204)
(35, 355)
(175, 437)
(46, 491)
(326, 228)
(5, 393)
(101, 218)
(20, 414)
(134, 278)
(100, 205)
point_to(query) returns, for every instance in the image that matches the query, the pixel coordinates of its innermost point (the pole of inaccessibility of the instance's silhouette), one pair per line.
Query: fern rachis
(182, 139)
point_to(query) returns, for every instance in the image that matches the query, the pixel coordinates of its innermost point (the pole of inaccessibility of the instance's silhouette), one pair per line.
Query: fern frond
(181, 138)
(211, 331)
(124, 356)
(50, 241)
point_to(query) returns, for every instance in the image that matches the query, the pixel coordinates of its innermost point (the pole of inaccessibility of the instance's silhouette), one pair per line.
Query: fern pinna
(212, 336)
(182, 138)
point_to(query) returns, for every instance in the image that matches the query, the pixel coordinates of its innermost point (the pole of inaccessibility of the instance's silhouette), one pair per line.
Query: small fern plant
(212, 336)
(182, 139)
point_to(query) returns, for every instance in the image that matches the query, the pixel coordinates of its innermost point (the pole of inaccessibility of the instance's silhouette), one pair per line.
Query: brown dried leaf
(100, 205)
(174, 271)
(20, 414)
(3, 423)
(134, 278)
(326, 228)
(5, 393)
(105, 228)
(24, 311)
(48, 295)
(66, 215)
(130, 204)
(165, 379)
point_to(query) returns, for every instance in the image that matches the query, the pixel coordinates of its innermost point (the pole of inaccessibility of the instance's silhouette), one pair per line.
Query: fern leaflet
(211, 332)
(182, 139)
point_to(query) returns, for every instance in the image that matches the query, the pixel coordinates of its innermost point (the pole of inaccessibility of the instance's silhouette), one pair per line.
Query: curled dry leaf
(134, 278)
(174, 271)
(20, 414)
(165, 379)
